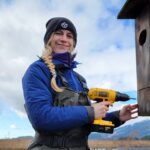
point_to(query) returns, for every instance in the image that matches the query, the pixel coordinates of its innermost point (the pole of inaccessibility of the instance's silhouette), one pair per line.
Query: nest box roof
(132, 8)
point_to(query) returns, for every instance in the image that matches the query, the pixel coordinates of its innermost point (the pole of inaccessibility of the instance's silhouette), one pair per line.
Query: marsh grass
(22, 144)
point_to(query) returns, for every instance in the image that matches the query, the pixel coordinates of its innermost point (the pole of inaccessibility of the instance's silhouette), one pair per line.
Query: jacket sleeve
(114, 117)
(42, 114)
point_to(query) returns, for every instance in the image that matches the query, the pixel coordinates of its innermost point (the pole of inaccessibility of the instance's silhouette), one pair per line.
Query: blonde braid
(47, 57)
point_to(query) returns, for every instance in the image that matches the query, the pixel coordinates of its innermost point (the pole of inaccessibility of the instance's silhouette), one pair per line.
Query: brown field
(14, 144)
(22, 144)
(119, 143)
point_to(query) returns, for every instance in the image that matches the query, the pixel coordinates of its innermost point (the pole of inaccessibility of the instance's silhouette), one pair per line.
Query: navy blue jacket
(39, 102)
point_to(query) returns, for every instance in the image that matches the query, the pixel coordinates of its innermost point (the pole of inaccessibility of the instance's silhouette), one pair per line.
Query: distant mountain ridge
(24, 137)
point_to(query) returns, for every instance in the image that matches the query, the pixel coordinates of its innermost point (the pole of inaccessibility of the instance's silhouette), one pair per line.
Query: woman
(56, 96)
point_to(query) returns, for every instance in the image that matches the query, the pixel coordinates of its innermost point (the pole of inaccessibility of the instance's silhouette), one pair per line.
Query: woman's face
(62, 41)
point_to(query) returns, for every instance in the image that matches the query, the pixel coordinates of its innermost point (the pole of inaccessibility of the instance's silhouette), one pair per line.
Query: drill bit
(132, 98)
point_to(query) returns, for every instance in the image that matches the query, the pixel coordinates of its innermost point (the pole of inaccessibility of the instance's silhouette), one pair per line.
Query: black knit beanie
(57, 23)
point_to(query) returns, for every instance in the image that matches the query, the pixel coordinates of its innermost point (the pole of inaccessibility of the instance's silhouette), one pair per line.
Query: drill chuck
(122, 97)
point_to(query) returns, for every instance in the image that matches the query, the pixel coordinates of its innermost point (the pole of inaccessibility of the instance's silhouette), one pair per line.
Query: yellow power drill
(101, 95)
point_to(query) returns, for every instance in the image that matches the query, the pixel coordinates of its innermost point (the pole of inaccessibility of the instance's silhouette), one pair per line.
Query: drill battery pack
(103, 126)
(102, 129)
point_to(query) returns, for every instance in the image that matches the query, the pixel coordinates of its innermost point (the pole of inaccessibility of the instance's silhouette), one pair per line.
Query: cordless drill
(101, 95)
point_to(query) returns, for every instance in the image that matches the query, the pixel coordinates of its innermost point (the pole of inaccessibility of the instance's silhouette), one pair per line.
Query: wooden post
(140, 11)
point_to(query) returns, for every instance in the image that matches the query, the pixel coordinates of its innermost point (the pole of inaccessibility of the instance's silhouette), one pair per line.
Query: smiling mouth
(63, 45)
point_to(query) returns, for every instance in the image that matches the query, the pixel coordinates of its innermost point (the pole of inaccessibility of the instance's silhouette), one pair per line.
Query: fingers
(106, 103)
(134, 106)
(134, 117)
(103, 113)
(105, 106)
(131, 107)
(134, 111)
(101, 109)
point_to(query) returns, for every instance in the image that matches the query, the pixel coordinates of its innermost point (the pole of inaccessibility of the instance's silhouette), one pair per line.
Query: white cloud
(105, 45)
(13, 126)
(113, 68)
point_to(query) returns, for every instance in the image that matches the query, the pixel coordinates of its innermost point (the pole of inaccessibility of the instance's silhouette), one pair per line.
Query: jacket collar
(64, 60)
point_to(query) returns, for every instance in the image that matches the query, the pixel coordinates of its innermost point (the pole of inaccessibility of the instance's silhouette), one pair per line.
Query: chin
(61, 51)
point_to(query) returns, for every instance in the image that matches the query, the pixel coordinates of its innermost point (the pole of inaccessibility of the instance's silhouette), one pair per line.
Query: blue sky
(106, 49)
(13, 125)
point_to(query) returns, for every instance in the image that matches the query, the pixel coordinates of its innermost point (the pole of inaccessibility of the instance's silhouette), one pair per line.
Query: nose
(64, 38)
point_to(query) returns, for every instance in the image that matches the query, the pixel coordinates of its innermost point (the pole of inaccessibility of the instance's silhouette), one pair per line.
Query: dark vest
(72, 139)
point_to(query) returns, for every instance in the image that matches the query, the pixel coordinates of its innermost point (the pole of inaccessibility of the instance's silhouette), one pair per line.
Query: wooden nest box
(140, 11)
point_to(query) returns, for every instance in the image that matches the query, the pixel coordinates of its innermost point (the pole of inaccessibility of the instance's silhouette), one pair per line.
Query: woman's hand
(128, 112)
(100, 109)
